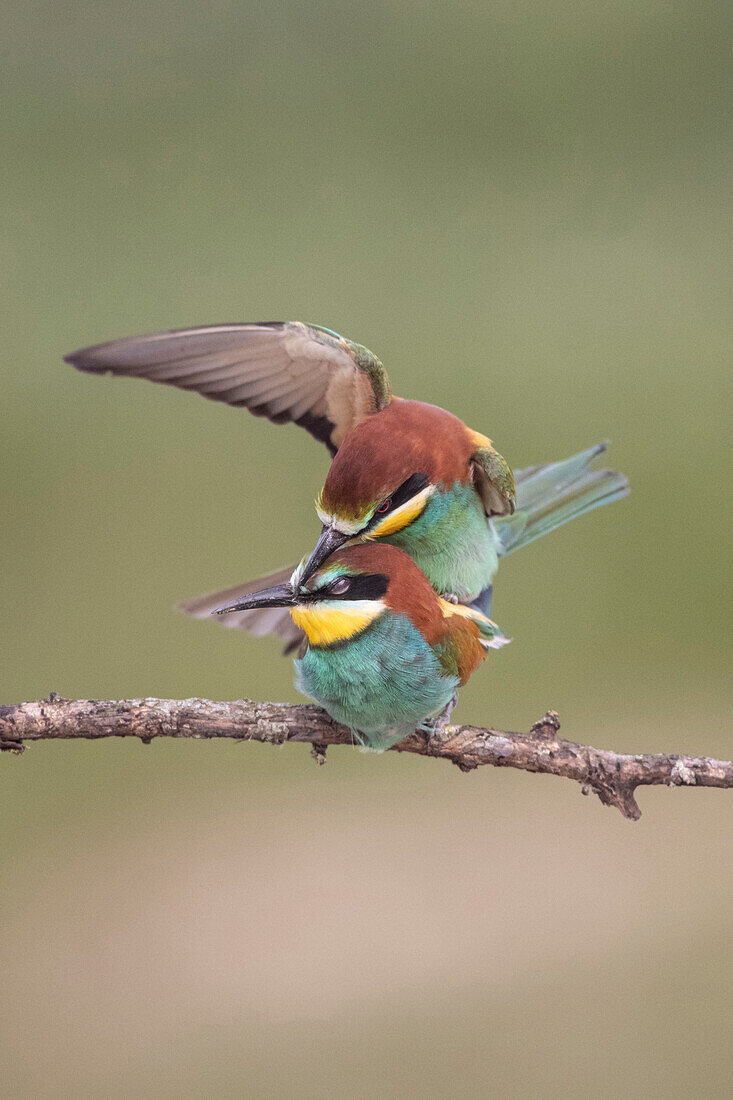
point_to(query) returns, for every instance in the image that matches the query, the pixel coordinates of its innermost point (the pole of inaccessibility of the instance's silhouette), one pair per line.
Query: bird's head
(355, 587)
(387, 469)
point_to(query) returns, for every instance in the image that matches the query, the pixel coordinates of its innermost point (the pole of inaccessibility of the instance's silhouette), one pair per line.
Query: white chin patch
(297, 573)
(341, 525)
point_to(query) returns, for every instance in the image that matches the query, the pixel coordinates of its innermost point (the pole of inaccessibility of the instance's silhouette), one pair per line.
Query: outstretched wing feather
(287, 371)
(259, 622)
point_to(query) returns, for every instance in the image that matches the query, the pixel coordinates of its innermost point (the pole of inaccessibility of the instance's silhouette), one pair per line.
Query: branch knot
(548, 726)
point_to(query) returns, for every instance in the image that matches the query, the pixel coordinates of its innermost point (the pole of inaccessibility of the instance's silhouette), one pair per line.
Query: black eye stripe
(408, 489)
(363, 586)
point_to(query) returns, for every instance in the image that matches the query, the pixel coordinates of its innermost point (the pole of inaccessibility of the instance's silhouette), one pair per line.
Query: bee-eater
(405, 472)
(383, 653)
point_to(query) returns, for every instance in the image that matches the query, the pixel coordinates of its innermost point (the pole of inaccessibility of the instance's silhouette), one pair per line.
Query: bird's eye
(385, 505)
(343, 584)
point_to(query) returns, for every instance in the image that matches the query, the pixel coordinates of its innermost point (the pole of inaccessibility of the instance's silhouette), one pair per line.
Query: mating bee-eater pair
(417, 509)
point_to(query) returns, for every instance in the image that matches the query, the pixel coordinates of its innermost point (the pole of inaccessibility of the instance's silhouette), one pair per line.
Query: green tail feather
(548, 496)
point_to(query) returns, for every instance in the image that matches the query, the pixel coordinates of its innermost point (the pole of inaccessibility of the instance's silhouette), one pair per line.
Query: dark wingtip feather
(83, 361)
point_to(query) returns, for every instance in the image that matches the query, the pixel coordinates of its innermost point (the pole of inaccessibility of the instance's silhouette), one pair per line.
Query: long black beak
(281, 595)
(329, 541)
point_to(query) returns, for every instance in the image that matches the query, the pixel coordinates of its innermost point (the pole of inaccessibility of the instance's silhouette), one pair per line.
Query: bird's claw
(435, 727)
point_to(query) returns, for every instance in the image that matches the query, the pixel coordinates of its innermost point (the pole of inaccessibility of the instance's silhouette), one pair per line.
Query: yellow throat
(331, 621)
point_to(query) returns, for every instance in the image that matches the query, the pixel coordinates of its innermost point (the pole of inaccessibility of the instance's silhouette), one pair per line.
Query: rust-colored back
(411, 594)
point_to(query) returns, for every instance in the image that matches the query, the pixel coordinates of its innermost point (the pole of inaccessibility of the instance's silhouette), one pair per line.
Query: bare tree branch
(613, 776)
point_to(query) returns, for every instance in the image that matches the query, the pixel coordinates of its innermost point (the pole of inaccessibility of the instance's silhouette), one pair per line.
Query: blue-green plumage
(459, 549)
(550, 495)
(452, 542)
(382, 684)
(384, 654)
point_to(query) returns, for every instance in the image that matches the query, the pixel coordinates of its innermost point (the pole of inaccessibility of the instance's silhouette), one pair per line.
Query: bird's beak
(281, 595)
(329, 541)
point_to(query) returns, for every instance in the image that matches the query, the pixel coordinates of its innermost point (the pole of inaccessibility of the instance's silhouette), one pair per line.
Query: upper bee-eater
(405, 472)
(383, 653)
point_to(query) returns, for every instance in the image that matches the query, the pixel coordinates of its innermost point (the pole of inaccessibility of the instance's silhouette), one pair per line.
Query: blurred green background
(524, 210)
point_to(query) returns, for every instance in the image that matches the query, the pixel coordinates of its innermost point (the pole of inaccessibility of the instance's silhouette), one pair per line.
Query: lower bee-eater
(383, 653)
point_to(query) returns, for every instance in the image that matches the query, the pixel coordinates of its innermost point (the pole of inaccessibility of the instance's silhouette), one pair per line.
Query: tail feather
(551, 495)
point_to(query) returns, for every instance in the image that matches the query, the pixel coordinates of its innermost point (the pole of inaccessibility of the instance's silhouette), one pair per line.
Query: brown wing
(262, 621)
(284, 370)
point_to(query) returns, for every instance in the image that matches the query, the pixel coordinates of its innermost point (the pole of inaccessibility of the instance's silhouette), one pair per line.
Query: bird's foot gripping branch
(613, 776)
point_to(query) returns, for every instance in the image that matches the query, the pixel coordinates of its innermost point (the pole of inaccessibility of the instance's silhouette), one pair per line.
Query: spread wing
(261, 621)
(284, 370)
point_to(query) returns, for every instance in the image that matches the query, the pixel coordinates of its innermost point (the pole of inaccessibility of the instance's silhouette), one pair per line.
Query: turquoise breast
(382, 684)
(452, 542)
